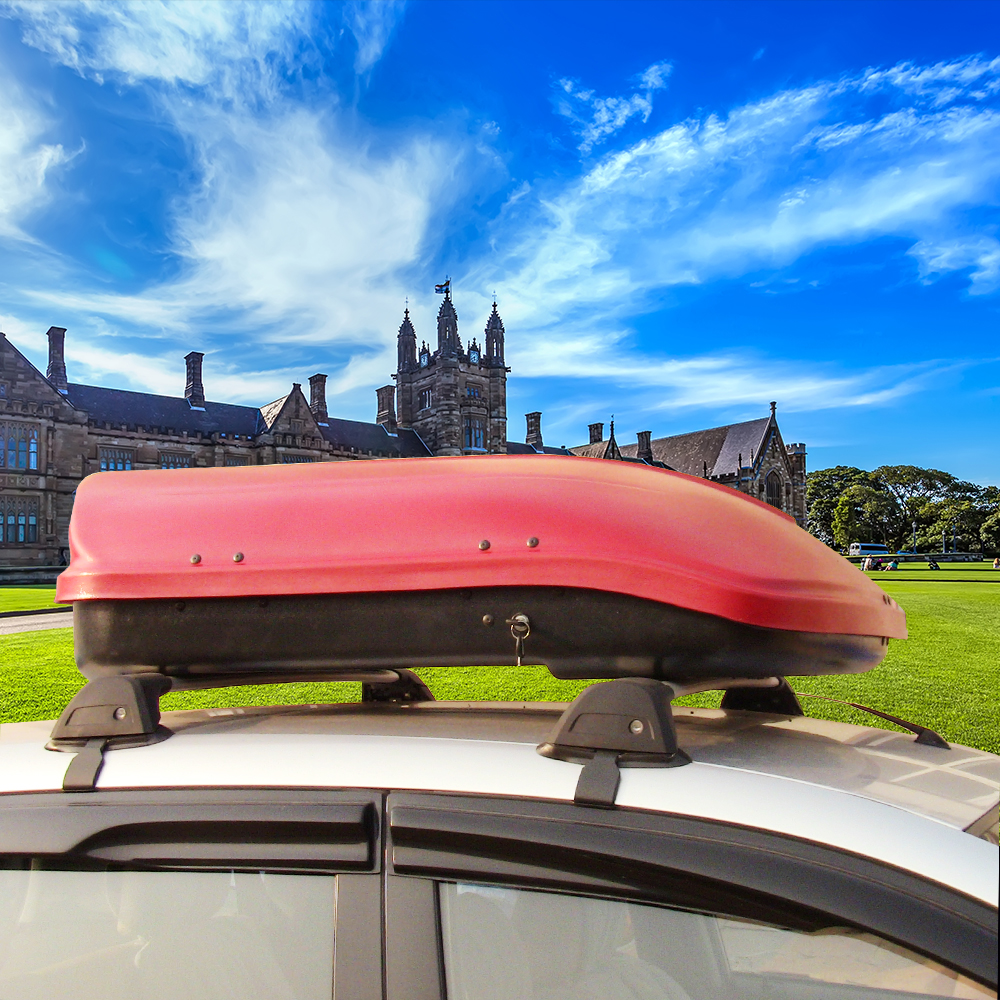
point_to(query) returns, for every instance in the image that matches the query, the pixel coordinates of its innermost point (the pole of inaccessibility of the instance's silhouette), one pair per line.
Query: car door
(499, 899)
(201, 894)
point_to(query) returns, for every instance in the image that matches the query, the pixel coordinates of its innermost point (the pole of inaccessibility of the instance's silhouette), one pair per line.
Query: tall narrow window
(32, 448)
(425, 399)
(474, 433)
(11, 450)
(22, 454)
(773, 489)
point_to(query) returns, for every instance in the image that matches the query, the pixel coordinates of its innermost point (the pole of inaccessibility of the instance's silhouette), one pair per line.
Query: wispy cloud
(598, 118)
(980, 255)
(25, 158)
(837, 163)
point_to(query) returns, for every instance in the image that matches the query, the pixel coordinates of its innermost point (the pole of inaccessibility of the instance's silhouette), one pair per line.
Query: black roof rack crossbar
(123, 710)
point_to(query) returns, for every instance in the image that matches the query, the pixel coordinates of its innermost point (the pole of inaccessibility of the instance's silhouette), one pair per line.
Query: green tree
(824, 489)
(865, 513)
(989, 533)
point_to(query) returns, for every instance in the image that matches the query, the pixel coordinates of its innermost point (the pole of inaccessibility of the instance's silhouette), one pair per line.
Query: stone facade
(454, 398)
(750, 457)
(451, 401)
(54, 433)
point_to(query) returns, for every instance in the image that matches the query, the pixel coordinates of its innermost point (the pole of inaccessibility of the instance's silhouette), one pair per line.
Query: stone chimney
(597, 433)
(194, 390)
(56, 372)
(534, 435)
(645, 450)
(386, 408)
(317, 398)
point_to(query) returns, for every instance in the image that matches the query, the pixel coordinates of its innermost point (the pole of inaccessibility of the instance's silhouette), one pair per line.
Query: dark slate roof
(143, 409)
(519, 448)
(364, 438)
(718, 447)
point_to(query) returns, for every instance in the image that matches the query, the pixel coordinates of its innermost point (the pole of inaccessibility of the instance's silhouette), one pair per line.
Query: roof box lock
(622, 723)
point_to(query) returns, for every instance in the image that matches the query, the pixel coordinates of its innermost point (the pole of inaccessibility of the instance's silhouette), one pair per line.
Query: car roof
(862, 789)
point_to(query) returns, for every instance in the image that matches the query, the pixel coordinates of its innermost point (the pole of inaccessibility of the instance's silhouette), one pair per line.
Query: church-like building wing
(450, 400)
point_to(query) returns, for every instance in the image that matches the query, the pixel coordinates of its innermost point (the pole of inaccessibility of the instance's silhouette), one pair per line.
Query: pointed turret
(494, 338)
(406, 344)
(448, 342)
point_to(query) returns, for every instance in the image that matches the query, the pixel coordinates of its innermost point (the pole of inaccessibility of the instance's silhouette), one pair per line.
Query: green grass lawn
(27, 598)
(974, 572)
(946, 676)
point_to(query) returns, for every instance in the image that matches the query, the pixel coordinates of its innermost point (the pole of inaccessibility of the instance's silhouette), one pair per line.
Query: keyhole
(520, 629)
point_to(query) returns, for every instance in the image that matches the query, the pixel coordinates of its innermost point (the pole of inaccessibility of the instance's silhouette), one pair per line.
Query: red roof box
(400, 562)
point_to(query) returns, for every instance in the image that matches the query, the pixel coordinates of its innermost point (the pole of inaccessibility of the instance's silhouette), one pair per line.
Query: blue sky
(685, 209)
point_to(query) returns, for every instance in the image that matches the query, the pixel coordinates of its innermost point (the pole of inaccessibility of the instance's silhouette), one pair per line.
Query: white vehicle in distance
(867, 549)
(618, 846)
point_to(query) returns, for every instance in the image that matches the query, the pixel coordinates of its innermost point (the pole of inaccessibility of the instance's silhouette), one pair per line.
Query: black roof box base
(576, 633)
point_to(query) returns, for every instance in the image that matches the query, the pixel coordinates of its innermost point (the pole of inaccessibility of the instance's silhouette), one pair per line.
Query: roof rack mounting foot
(108, 713)
(778, 700)
(621, 723)
(81, 775)
(406, 687)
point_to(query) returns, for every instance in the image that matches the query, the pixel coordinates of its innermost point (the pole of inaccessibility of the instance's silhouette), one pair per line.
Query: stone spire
(448, 342)
(494, 338)
(406, 344)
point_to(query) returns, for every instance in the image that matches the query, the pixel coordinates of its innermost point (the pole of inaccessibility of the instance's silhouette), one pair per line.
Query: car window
(163, 935)
(517, 944)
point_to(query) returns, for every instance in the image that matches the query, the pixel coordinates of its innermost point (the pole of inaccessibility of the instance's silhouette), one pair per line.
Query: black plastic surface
(113, 706)
(778, 700)
(281, 830)
(576, 633)
(690, 863)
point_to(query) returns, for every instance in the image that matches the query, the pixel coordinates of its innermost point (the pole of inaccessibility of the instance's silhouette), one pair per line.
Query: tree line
(847, 505)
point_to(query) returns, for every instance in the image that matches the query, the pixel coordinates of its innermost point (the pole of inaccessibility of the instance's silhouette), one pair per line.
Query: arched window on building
(773, 489)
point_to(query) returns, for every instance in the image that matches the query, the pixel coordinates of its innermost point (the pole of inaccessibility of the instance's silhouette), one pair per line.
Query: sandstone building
(451, 401)
(750, 457)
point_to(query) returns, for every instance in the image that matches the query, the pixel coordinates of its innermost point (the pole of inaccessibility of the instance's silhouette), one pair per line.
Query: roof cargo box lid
(415, 530)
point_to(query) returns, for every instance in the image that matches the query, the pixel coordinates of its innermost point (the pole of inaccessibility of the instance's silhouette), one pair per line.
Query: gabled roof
(718, 448)
(121, 406)
(364, 437)
(7, 346)
(270, 412)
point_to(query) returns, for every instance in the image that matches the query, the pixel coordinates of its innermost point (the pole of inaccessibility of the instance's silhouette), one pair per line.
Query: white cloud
(239, 51)
(980, 253)
(194, 43)
(773, 180)
(598, 118)
(25, 159)
(372, 24)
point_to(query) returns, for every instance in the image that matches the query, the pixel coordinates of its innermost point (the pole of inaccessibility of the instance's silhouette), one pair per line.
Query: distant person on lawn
(996, 563)
(931, 564)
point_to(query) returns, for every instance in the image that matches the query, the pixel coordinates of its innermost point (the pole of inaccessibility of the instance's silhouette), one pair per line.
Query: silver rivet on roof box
(636, 726)
(237, 557)
(195, 559)
(487, 619)
(532, 542)
(484, 544)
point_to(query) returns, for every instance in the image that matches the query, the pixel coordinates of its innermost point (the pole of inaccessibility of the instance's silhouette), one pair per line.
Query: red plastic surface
(418, 524)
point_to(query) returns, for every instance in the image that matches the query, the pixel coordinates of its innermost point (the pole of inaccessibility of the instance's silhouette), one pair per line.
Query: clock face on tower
(474, 357)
